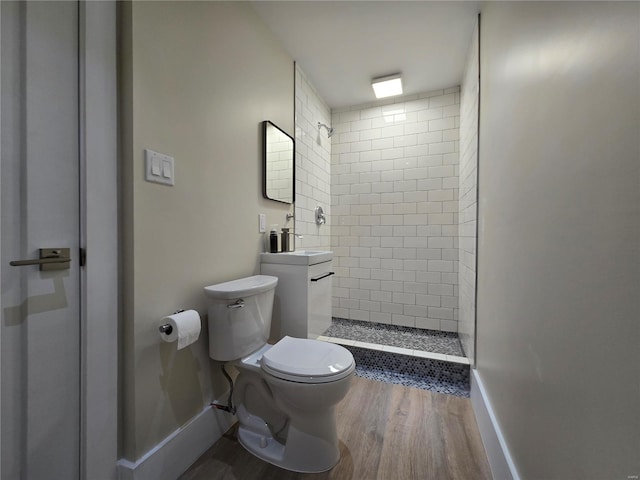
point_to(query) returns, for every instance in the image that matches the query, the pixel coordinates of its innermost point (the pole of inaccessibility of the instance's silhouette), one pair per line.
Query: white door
(39, 184)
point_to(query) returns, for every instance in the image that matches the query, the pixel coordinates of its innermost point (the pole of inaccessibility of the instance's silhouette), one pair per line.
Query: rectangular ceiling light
(387, 86)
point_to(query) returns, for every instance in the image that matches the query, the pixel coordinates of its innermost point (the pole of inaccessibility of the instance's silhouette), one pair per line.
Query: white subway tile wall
(394, 201)
(468, 199)
(313, 166)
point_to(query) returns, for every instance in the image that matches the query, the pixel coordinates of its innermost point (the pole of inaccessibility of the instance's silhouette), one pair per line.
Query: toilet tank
(239, 314)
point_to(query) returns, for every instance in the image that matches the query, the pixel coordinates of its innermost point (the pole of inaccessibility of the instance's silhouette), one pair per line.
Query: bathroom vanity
(302, 305)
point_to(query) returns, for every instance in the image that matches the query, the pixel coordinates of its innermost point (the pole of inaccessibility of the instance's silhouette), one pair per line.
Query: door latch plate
(59, 253)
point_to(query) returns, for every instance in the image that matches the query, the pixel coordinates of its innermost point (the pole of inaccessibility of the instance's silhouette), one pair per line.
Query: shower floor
(426, 359)
(405, 340)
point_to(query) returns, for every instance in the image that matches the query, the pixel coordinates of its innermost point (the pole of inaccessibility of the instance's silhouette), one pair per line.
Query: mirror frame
(265, 125)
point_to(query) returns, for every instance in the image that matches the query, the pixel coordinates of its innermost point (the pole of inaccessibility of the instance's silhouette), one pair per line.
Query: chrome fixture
(238, 304)
(320, 218)
(329, 129)
(167, 329)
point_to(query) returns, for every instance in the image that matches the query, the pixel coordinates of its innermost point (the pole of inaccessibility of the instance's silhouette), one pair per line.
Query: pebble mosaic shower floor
(426, 359)
(434, 341)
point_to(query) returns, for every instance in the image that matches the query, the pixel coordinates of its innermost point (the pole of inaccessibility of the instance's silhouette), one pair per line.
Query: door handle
(49, 259)
(238, 304)
(320, 277)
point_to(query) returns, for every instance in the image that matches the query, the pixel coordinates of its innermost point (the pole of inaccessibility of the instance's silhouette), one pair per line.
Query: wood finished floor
(386, 432)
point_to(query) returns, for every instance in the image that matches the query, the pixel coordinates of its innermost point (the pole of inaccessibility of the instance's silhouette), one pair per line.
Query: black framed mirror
(279, 164)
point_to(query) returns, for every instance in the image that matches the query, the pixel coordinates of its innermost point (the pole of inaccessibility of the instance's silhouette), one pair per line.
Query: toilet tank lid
(308, 358)
(242, 287)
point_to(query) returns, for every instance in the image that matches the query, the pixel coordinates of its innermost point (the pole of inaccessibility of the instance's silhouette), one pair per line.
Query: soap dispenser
(284, 241)
(273, 239)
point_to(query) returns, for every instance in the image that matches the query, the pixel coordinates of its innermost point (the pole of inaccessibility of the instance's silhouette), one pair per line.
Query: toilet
(285, 394)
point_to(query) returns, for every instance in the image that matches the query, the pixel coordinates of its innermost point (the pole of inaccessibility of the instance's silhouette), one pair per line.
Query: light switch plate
(159, 167)
(262, 223)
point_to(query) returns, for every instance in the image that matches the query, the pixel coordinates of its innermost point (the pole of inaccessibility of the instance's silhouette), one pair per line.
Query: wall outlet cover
(159, 168)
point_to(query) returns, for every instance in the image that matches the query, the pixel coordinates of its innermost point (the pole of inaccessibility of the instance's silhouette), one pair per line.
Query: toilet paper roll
(185, 327)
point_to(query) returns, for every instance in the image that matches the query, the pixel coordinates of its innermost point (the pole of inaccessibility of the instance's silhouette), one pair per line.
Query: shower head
(329, 129)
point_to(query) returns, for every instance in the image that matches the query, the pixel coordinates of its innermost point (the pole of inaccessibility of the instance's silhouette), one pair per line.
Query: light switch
(262, 223)
(155, 166)
(159, 168)
(166, 169)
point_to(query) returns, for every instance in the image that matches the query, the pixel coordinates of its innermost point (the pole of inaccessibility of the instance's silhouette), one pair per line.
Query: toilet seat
(307, 361)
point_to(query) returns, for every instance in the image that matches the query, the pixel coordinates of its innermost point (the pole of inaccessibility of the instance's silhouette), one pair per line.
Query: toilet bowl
(285, 393)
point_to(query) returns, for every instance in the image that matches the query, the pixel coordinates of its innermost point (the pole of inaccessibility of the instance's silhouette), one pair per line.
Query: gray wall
(559, 242)
(197, 80)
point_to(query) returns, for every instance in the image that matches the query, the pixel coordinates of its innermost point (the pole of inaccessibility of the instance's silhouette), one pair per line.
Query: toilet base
(302, 453)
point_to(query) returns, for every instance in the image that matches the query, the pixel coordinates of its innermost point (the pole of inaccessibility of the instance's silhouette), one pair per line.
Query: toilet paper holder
(166, 328)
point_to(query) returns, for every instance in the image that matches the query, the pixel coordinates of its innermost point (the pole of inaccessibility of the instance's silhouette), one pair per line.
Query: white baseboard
(177, 452)
(502, 466)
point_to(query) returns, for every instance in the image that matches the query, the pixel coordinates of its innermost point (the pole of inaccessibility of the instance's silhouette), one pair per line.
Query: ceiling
(341, 46)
